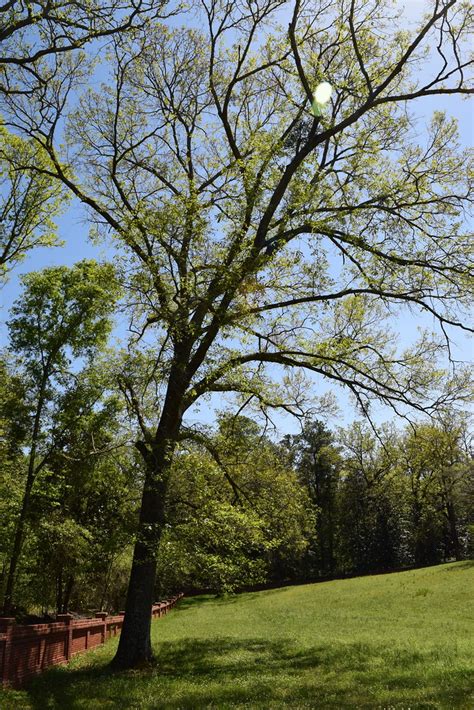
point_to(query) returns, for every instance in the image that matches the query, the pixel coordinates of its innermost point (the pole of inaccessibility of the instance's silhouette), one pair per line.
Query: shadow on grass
(225, 672)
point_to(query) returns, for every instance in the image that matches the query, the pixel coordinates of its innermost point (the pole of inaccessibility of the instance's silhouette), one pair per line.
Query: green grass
(394, 641)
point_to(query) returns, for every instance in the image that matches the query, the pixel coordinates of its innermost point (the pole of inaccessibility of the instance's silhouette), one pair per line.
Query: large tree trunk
(135, 644)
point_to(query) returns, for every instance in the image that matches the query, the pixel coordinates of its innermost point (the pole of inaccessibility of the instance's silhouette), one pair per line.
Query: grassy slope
(394, 641)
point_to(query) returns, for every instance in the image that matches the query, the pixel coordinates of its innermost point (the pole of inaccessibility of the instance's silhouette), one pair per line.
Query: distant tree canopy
(261, 234)
(63, 313)
(318, 462)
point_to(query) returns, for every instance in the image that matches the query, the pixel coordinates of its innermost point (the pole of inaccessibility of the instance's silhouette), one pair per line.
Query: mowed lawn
(401, 640)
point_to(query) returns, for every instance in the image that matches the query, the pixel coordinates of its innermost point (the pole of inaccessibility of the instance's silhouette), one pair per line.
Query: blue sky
(73, 229)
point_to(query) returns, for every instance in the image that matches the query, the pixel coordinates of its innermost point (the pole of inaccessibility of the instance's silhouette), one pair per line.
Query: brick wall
(25, 651)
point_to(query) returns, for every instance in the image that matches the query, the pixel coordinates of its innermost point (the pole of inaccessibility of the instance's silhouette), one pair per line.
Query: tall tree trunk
(134, 647)
(453, 530)
(419, 553)
(330, 533)
(17, 547)
(30, 478)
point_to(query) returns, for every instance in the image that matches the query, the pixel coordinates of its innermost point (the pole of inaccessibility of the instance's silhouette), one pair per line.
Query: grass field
(402, 640)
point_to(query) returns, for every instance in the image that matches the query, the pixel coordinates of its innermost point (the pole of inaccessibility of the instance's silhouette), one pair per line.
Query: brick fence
(27, 650)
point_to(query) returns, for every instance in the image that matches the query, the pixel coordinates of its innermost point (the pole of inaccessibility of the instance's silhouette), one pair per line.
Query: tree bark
(30, 478)
(134, 649)
(16, 551)
(135, 644)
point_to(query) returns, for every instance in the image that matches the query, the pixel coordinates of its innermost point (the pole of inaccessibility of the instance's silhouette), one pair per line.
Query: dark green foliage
(236, 513)
(383, 503)
(318, 462)
(369, 534)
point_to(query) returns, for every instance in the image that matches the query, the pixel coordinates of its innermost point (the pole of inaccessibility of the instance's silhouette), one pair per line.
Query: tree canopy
(29, 201)
(33, 33)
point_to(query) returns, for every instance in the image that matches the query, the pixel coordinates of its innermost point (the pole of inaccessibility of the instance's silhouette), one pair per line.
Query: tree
(438, 468)
(370, 502)
(404, 496)
(31, 33)
(263, 481)
(318, 464)
(84, 503)
(209, 542)
(63, 314)
(29, 200)
(235, 513)
(261, 229)
(13, 433)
